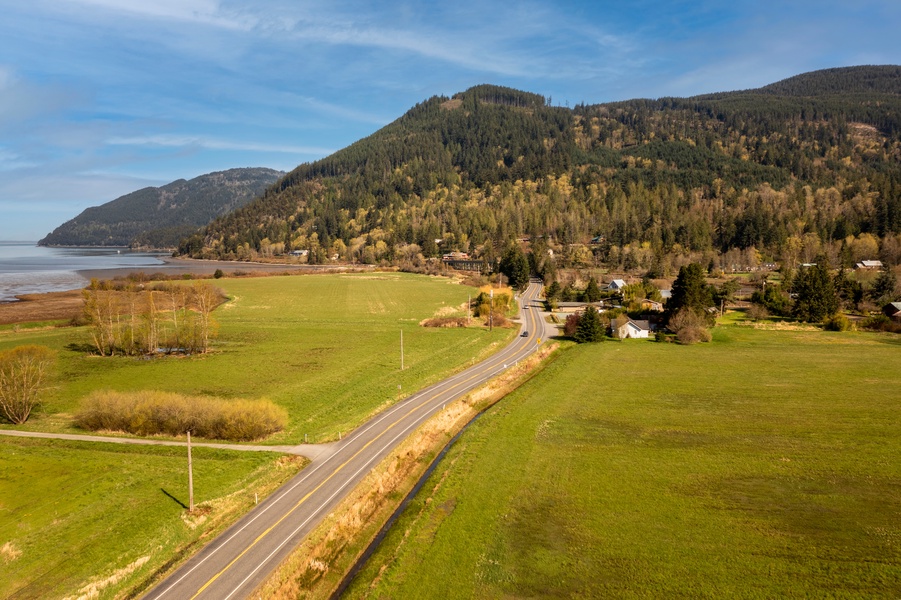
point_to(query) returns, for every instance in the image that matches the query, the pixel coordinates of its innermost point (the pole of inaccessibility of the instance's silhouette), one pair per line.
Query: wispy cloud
(11, 161)
(206, 12)
(187, 141)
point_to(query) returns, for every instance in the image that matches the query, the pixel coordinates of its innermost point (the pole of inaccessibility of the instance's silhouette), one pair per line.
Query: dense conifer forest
(804, 167)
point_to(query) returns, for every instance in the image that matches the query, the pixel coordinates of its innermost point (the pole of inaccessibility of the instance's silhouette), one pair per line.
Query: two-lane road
(237, 561)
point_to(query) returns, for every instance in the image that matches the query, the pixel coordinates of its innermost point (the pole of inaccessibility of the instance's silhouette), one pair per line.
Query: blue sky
(99, 98)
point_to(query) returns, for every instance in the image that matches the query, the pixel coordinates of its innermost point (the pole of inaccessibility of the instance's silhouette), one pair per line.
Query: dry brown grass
(445, 322)
(315, 569)
(53, 306)
(9, 552)
(784, 326)
(93, 589)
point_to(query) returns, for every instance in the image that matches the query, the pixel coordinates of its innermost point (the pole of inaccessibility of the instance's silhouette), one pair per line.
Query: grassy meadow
(325, 347)
(77, 517)
(761, 465)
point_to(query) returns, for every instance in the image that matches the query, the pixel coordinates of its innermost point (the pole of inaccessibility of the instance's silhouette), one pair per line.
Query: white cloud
(66, 189)
(188, 141)
(11, 161)
(206, 12)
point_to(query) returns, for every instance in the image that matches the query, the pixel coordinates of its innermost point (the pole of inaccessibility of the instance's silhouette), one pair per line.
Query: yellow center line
(324, 481)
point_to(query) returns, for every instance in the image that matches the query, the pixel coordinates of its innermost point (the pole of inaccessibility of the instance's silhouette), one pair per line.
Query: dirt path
(311, 451)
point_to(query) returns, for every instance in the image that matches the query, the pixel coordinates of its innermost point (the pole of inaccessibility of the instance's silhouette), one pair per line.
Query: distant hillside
(807, 165)
(160, 217)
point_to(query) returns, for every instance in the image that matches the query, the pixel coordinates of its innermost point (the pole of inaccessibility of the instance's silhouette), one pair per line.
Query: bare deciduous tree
(23, 373)
(205, 298)
(101, 312)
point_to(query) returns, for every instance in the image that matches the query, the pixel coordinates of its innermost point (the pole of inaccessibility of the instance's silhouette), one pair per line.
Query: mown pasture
(325, 347)
(77, 517)
(761, 465)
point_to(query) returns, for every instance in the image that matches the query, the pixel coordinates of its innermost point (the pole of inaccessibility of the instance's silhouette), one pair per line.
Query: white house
(634, 329)
(869, 264)
(616, 285)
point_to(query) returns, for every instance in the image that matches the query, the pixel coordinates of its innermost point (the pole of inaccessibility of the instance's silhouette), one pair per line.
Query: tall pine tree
(815, 297)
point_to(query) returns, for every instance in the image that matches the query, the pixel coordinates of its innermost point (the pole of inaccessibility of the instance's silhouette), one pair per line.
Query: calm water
(27, 269)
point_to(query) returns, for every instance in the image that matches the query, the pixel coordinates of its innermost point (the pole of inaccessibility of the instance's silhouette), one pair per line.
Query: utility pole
(469, 309)
(190, 476)
(491, 311)
(401, 349)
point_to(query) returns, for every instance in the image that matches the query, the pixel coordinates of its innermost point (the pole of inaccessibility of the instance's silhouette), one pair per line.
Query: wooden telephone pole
(190, 476)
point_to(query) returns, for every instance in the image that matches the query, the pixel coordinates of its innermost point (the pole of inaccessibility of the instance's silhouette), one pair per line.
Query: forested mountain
(160, 217)
(805, 166)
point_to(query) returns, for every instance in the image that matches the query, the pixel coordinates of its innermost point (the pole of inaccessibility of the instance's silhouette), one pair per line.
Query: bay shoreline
(67, 305)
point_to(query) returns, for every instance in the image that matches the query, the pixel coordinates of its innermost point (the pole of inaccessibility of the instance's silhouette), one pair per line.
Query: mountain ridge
(160, 216)
(814, 157)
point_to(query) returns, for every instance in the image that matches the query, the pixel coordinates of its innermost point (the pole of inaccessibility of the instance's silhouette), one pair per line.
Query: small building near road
(634, 329)
(577, 307)
(869, 264)
(648, 304)
(467, 265)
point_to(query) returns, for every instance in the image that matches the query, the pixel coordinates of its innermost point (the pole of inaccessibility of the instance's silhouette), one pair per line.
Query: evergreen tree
(552, 292)
(590, 328)
(515, 266)
(690, 290)
(592, 291)
(849, 291)
(815, 293)
(883, 290)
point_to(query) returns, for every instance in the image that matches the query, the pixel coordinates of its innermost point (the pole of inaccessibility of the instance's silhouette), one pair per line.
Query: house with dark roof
(892, 310)
(634, 329)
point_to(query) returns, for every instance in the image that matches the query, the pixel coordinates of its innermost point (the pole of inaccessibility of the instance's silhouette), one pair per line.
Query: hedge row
(153, 413)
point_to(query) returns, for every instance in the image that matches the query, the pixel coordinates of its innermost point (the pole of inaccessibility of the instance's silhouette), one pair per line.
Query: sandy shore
(181, 266)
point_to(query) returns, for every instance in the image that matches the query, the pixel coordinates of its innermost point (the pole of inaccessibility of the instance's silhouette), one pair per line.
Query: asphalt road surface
(236, 562)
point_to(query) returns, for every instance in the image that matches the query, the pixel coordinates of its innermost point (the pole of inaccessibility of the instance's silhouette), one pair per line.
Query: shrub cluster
(882, 323)
(445, 322)
(152, 413)
(837, 322)
(689, 326)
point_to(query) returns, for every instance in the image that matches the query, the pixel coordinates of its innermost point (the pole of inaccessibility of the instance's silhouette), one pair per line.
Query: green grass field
(74, 514)
(325, 347)
(762, 465)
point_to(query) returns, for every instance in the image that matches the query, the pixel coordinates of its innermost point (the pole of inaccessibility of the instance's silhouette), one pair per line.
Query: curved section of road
(237, 561)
